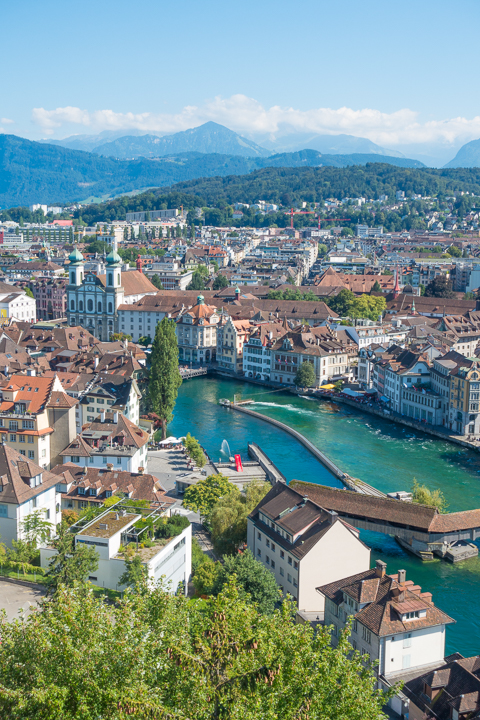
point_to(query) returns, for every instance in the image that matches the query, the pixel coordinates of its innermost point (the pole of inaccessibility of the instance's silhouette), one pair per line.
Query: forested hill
(313, 184)
(33, 172)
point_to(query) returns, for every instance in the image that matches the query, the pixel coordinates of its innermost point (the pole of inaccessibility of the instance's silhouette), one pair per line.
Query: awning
(327, 387)
(384, 398)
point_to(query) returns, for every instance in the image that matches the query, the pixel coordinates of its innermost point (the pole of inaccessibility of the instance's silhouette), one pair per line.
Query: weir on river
(383, 454)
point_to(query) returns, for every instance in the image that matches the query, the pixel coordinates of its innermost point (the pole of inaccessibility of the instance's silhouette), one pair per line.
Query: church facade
(93, 300)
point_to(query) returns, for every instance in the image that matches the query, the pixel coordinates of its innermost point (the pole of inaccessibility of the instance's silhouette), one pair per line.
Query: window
(295, 564)
(80, 305)
(104, 460)
(259, 553)
(72, 305)
(289, 577)
(289, 560)
(74, 458)
(267, 542)
(273, 564)
(110, 278)
(295, 583)
(407, 640)
(90, 305)
(22, 452)
(81, 491)
(355, 626)
(13, 438)
(119, 460)
(28, 424)
(267, 559)
(30, 439)
(259, 536)
(110, 307)
(282, 572)
(44, 453)
(31, 454)
(13, 425)
(366, 635)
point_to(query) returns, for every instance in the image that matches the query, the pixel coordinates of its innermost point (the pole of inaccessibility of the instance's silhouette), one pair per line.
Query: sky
(404, 75)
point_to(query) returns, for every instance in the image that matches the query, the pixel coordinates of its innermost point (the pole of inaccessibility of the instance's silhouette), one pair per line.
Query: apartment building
(110, 441)
(110, 393)
(25, 487)
(300, 543)
(51, 297)
(197, 333)
(231, 338)
(37, 417)
(256, 350)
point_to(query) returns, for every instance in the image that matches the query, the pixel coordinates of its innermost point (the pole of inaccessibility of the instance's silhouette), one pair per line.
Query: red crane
(327, 219)
(293, 212)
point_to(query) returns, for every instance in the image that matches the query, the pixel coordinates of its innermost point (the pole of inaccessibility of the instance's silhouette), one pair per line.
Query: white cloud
(247, 115)
(6, 121)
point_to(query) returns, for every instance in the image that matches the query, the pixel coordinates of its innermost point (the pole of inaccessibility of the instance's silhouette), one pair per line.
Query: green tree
(156, 655)
(252, 578)
(136, 573)
(29, 292)
(367, 306)
(197, 282)
(194, 450)
(220, 282)
(322, 249)
(454, 251)
(376, 287)
(206, 576)
(202, 496)
(422, 495)
(228, 519)
(71, 564)
(35, 528)
(439, 287)
(164, 377)
(120, 336)
(305, 376)
(155, 280)
(99, 246)
(341, 304)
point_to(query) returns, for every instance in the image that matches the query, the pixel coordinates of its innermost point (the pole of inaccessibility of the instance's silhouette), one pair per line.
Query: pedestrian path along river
(379, 452)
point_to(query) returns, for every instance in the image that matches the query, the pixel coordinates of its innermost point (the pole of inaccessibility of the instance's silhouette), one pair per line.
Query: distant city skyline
(401, 76)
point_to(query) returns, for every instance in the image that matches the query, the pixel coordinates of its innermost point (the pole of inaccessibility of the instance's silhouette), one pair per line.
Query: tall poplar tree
(164, 379)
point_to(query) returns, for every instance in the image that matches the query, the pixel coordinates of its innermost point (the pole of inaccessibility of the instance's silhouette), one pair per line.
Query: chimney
(115, 417)
(95, 363)
(109, 466)
(102, 416)
(401, 576)
(31, 372)
(333, 516)
(380, 569)
(141, 470)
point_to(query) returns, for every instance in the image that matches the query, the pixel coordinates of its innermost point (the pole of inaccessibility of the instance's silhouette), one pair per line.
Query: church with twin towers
(94, 299)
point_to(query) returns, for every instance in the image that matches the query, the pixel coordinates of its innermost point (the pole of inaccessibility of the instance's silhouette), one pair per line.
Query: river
(380, 452)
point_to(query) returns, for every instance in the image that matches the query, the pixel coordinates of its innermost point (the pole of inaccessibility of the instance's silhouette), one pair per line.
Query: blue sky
(402, 74)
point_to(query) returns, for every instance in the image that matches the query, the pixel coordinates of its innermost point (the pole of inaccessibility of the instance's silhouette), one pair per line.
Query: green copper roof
(76, 256)
(113, 258)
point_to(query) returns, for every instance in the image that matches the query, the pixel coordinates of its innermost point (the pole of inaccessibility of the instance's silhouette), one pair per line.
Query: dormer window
(81, 491)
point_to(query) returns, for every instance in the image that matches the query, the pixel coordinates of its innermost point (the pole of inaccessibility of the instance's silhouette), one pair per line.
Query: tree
(206, 576)
(36, 528)
(454, 251)
(228, 519)
(305, 376)
(422, 495)
(120, 336)
(71, 564)
(156, 655)
(164, 377)
(155, 280)
(322, 249)
(194, 450)
(368, 306)
(197, 282)
(136, 573)
(28, 292)
(251, 577)
(439, 287)
(202, 496)
(347, 232)
(342, 303)
(99, 247)
(220, 282)
(376, 286)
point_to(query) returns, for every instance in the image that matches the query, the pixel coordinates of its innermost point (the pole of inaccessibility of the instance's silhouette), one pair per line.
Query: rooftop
(109, 525)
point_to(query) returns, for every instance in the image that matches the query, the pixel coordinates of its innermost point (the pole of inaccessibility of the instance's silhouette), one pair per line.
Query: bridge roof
(399, 512)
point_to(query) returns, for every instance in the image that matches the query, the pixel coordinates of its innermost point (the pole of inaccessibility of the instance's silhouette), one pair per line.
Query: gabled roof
(15, 474)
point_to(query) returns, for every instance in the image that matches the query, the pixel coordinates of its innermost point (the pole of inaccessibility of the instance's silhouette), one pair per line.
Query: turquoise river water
(382, 453)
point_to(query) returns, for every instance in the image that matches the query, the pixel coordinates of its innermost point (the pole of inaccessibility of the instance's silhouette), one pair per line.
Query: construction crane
(327, 219)
(293, 212)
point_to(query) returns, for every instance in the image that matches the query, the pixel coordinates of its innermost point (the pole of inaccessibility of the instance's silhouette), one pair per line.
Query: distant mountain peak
(468, 156)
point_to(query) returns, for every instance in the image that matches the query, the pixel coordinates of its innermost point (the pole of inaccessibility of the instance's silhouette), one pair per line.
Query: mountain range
(32, 172)
(468, 156)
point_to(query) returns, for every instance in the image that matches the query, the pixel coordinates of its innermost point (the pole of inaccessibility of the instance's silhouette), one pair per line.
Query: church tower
(114, 291)
(76, 268)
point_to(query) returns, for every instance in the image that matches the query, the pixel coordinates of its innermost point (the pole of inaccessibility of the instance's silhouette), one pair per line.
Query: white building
(25, 487)
(300, 543)
(110, 441)
(16, 304)
(110, 393)
(197, 333)
(170, 561)
(394, 622)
